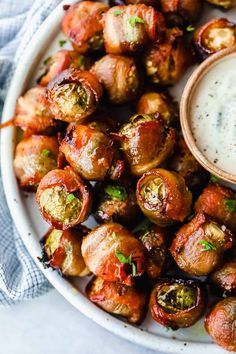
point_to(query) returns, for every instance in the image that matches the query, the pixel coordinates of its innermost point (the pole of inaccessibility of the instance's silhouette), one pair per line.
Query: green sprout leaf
(230, 205)
(116, 192)
(47, 60)
(45, 152)
(123, 259)
(70, 198)
(207, 246)
(214, 179)
(134, 20)
(118, 12)
(190, 28)
(62, 42)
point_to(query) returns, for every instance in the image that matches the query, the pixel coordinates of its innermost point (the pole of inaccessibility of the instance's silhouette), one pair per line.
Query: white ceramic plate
(31, 226)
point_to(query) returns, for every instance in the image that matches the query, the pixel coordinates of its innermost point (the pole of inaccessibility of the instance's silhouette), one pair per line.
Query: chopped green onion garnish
(214, 179)
(116, 192)
(70, 198)
(127, 260)
(230, 205)
(207, 246)
(118, 12)
(62, 42)
(190, 28)
(134, 20)
(45, 152)
(47, 60)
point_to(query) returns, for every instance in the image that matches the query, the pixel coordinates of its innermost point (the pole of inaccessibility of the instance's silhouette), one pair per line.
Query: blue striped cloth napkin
(20, 279)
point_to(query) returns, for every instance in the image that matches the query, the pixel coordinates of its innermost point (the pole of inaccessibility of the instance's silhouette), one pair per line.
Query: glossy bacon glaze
(167, 62)
(60, 61)
(220, 323)
(99, 249)
(89, 151)
(83, 26)
(63, 249)
(188, 248)
(225, 277)
(123, 34)
(163, 197)
(118, 299)
(73, 95)
(214, 36)
(162, 103)
(165, 309)
(33, 115)
(69, 183)
(34, 158)
(119, 76)
(213, 201)
(154, 240)
(145, 142)
(181, 12)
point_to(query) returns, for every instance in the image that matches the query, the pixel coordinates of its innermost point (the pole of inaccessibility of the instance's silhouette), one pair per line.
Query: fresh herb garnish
(214, 179)
(190, 28)
(230, 205)
(168, 329)
(127, 260)
(70, 198)
(45, 152)
(207, 246)
(134, 20)
(146, 231)
(118, 12)
(47, 60)
(116, 192)
(62, 42)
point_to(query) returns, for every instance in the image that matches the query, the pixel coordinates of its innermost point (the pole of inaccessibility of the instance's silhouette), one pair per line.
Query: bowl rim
(185, 102)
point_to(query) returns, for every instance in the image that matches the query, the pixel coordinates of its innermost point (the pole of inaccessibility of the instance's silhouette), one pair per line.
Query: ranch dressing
(213, 115)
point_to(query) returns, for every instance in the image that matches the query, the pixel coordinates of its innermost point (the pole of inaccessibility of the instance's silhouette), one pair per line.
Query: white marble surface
(49, 324)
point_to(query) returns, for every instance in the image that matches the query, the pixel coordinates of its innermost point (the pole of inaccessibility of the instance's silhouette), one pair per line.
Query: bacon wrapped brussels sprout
(163, 197)
(187, 166)
(118, 299)
(154, 238)
(115, 202)
(63, 250)
(114, 253)
(119, 76)
(64, 199)
(89, 150)
(162, 103)
(225, 277)
(167, 62)
(73, 95)
(33, 115)
(199, 246)
(177, 303)
(220, 203)
(220, 323)
(60, 61)
(146, 142)
(181, 12)
(130, 28)
(214, 36)
(82, 24)
(34, 158)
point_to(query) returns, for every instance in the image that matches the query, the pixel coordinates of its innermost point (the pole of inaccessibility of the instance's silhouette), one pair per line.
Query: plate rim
(32, 54)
